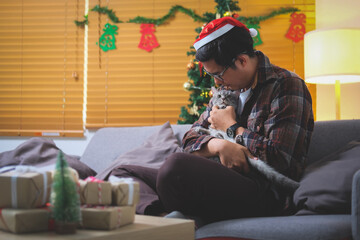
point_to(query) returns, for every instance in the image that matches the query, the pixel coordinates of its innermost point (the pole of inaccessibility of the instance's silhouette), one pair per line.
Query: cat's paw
(202, 130)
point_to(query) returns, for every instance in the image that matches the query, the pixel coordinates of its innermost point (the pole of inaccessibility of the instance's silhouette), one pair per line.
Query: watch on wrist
(231, 131)
(239, 139)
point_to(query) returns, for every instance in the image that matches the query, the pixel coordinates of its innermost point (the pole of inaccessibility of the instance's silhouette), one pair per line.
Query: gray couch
(328, 137)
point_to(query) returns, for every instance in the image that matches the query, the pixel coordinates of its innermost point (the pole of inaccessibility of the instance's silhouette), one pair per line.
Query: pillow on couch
(326, 185)
(151, 153)
(42, 152)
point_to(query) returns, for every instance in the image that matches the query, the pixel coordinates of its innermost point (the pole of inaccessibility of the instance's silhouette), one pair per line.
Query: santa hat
(217, 28)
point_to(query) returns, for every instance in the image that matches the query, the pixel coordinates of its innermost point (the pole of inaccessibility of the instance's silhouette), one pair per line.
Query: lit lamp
(332, 56)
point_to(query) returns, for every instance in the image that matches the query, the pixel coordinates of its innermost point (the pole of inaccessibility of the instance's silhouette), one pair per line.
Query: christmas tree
(65, 202)
(199, 83)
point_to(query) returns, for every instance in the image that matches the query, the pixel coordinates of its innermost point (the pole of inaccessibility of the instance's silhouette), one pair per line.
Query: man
(273, 123)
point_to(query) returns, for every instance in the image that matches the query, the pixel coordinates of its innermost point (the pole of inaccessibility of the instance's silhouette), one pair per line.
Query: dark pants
(200, 187)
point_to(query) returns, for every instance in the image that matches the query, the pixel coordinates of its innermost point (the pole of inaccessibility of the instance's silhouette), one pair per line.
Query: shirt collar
(265, 70)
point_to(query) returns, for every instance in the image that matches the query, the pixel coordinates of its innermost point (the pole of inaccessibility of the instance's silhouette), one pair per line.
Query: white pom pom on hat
(253, 32)
(217, 28)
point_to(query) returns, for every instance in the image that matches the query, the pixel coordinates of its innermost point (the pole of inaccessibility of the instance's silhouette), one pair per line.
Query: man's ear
(242, 59)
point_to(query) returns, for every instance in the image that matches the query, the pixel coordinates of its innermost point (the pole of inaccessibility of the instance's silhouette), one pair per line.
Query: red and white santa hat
(217, 28)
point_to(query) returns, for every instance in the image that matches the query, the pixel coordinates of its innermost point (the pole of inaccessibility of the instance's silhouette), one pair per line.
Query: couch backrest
(329, 136)
(108, 143)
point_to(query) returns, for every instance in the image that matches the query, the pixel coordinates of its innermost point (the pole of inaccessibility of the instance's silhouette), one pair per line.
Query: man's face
(231, 77)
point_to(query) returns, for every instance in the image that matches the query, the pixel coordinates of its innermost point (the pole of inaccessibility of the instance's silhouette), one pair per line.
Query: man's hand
(231, 155)
(221, 119)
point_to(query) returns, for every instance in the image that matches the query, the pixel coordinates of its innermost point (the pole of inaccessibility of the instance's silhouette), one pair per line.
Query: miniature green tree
(65, 201)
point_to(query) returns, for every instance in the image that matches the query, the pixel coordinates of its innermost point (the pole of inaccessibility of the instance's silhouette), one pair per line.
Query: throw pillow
(152, 153)
(326, 185)
(42, 152)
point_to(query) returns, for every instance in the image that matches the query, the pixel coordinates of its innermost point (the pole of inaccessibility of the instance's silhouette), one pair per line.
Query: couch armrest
(355, 206)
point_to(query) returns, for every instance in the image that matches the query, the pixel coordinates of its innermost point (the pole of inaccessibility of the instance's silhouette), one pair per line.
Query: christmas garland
(159, 21)
(103, 10)
(82, 23)
(257, 20)
(171, 13)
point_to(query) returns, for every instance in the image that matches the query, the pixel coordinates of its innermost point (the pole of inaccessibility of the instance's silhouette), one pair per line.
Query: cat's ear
(214, 90)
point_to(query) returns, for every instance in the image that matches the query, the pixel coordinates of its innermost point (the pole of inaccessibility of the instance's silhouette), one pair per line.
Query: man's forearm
(210, 149)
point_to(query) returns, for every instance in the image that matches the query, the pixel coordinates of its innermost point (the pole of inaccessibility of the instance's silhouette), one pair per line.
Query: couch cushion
(42, 152)
(151, 153)
(326, 185)
(281, 228)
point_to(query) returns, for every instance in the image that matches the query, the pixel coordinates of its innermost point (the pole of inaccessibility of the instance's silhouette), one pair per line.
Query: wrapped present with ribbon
(95, 192)
(25, 220)
(25, 187)
(107, 217)
(125, 191)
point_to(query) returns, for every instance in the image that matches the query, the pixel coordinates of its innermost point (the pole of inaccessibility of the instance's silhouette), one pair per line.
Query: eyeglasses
(219, 76)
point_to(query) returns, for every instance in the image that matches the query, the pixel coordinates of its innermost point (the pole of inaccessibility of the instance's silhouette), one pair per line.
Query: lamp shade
(332, 54)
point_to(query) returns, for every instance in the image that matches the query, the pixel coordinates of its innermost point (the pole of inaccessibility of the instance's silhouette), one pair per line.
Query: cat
(222, 99)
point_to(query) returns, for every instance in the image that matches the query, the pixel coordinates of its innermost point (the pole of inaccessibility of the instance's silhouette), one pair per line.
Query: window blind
(130, 86)
(41, 63)
(41, 58)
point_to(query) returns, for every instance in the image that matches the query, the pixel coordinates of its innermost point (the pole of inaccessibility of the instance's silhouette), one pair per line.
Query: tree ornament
(187, 86)
(65, 201)
(235, 15)
(257, 39)
(148, 40)
(211, 94)
(227, 14)
(194, 110)
(297, 28)
(191, 65)
(107, 39)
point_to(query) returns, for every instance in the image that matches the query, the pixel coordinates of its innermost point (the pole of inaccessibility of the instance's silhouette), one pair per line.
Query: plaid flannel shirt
(279, 125)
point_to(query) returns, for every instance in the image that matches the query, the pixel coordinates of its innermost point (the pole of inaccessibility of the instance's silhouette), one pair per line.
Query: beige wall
(338, 14)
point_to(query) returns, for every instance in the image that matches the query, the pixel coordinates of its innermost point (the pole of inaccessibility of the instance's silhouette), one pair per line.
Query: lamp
(332, 56)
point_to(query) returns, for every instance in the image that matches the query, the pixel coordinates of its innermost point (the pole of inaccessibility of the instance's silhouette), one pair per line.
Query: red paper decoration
(148, 40)
(297, 28)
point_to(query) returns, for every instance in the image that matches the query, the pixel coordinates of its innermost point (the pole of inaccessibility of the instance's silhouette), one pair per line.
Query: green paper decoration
(107, 39)
(257, 39)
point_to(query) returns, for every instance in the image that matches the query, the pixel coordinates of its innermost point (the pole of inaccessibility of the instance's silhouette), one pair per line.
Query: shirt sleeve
(192, 140)
(282, 138)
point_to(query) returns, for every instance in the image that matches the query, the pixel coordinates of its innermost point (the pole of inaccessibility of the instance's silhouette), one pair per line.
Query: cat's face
(224, 98)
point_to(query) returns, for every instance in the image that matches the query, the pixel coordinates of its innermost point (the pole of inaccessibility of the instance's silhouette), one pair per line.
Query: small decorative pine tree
(65, 201)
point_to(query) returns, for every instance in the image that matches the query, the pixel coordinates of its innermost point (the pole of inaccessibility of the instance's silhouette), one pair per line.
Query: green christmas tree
(199, 83)
(65, 201)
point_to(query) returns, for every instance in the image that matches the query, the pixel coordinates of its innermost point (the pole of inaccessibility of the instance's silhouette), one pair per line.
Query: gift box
(107, 217)
(125, 193)
(24, 189)
(95, 192)
(24, 220)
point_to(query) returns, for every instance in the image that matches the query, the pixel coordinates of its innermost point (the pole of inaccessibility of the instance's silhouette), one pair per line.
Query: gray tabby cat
(224, 98)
